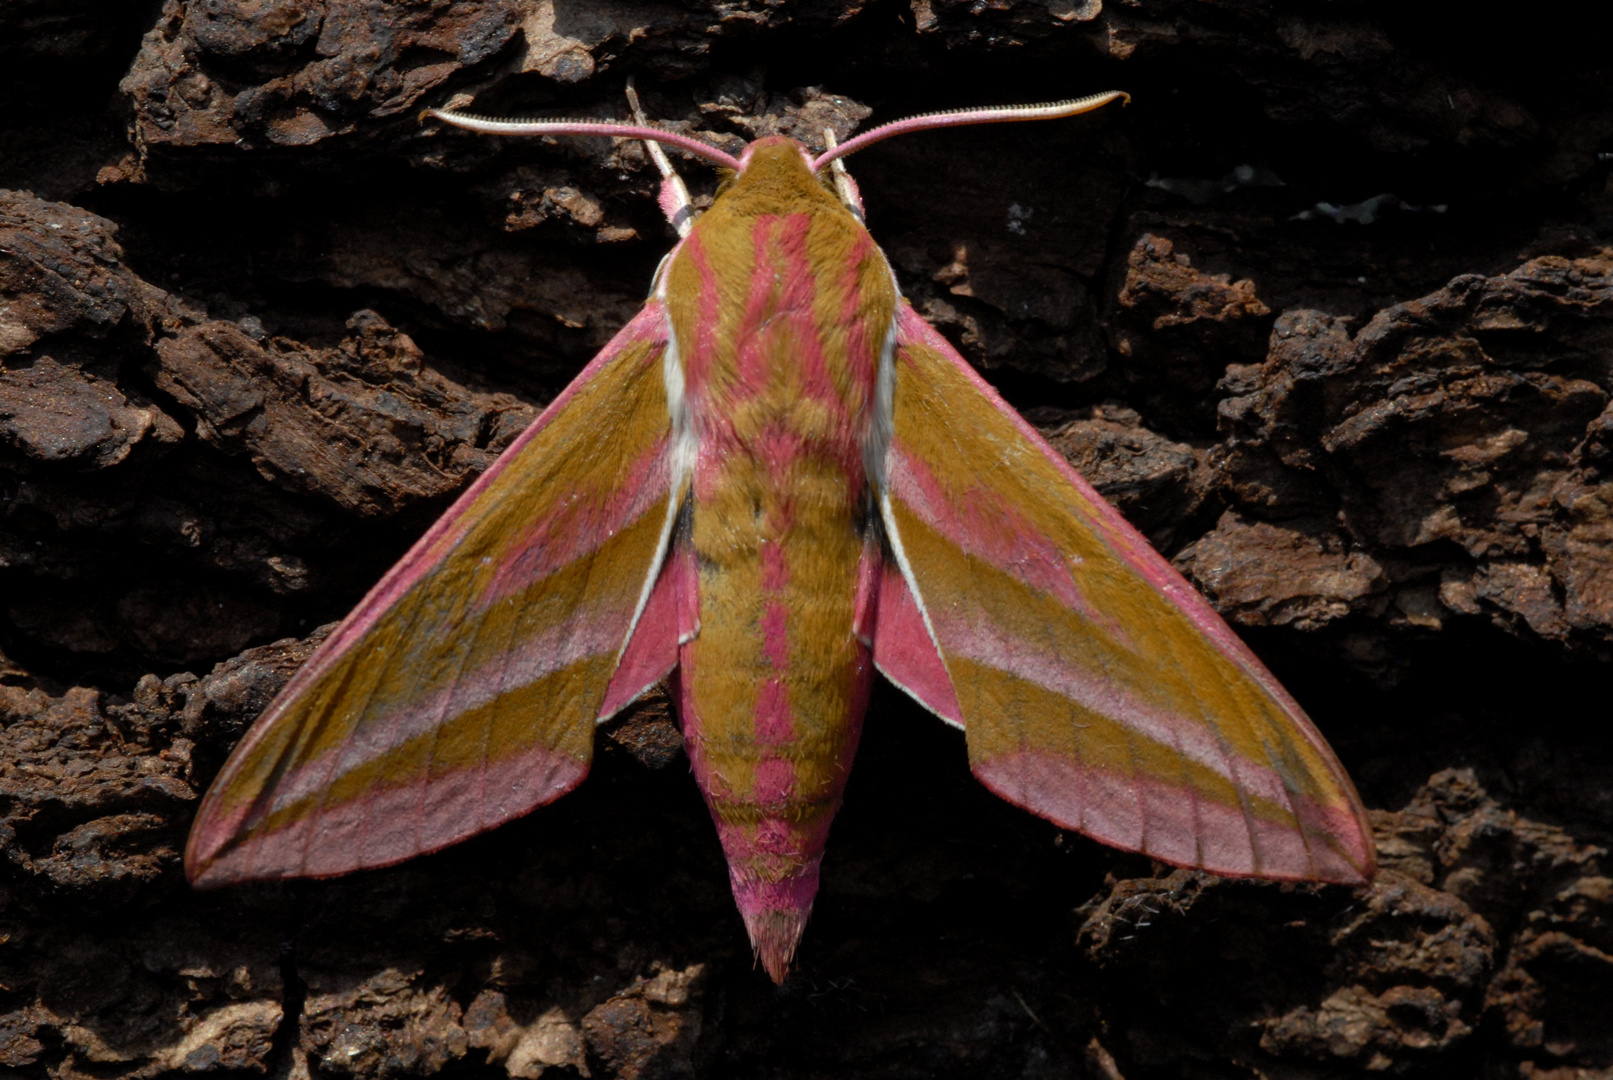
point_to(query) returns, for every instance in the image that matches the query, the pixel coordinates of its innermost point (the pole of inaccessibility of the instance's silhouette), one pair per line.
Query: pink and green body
(780, 305)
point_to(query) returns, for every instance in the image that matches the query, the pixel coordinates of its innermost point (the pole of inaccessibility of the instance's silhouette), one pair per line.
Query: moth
(774, 481)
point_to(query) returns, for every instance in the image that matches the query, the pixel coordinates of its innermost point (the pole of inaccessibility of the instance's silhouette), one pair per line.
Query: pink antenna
(600, 128)
(958, 117)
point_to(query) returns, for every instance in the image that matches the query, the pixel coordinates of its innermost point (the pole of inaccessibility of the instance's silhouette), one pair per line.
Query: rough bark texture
(1328, 312)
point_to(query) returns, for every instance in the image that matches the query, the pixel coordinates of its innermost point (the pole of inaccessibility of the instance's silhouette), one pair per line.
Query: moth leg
(845, 186)
(674, 200)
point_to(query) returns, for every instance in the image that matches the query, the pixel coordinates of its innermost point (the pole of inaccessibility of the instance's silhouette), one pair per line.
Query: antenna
(998, 114)
(598, 128)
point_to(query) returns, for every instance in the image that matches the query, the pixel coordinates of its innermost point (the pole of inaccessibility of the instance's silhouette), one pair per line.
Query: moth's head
(774, 152)
(780, 164)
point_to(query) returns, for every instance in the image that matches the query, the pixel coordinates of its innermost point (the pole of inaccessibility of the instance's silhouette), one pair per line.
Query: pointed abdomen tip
(774, 935)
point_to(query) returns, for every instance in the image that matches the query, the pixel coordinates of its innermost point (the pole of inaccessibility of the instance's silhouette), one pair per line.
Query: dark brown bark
(1328, 312)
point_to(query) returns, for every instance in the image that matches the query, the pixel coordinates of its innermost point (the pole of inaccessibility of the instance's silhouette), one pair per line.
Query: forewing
(1096, 687)
(463, 690)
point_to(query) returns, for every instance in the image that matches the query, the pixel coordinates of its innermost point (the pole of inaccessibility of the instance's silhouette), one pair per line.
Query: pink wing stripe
(558, 647)
(1111, 807)
(1126, 541)
(992, 528)
(581, 527)
(649, 325)
(652, 652)
(387, 826)
(904, 651)
(971, 636)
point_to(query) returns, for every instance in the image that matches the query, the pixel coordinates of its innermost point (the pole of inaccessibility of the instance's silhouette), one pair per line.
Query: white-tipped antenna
(597, 128)
(957, 118)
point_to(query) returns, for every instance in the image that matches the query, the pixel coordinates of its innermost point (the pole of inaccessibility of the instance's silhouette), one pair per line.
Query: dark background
(1327, 311)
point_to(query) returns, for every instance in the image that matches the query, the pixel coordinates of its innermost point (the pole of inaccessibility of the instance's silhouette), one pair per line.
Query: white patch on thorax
(685, 443)
(882, 424)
